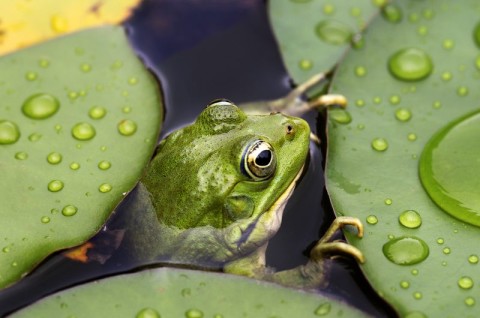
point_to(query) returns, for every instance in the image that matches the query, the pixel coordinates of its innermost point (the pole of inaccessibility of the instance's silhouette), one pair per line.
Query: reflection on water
(200, 51)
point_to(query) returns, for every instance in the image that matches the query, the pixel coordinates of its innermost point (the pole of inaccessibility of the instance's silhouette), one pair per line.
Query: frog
(215, 191)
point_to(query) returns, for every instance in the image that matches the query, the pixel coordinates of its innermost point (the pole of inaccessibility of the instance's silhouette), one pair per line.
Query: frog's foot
(294, 103)
(325, 248)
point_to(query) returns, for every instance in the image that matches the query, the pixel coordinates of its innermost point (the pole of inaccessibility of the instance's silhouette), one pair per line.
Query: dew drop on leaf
(9, 132)
(40, 106)
(83, 131)
(410, 64)
(406, 250)
(446, 166)
(410, 219)
(333, 32)
(127, 127)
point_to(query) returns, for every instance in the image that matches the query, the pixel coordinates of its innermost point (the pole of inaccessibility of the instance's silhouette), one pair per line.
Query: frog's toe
(323, 250)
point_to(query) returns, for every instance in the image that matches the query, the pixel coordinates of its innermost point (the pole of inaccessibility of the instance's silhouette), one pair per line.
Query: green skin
(203, 209)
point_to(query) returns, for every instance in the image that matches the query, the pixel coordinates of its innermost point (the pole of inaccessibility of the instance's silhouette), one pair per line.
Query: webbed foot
(325, 247)
(294, 103)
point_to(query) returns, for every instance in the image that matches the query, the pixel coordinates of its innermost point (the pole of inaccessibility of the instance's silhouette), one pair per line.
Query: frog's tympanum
(215, 192)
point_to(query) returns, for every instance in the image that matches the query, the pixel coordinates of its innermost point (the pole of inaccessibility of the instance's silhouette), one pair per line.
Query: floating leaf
(23, 23)
(185, 293)
(79, 118)
(412, 142)
(313, 35)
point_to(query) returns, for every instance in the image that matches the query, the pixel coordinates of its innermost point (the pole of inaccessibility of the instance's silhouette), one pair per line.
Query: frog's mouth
(257, 232)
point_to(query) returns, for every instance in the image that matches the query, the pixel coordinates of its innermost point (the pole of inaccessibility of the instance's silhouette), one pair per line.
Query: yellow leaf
(26, 22)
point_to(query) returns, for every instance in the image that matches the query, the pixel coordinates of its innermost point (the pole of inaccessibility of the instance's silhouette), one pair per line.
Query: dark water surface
(202, 50)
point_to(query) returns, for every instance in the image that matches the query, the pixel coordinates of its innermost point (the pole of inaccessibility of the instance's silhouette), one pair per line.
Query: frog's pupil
(263, 158)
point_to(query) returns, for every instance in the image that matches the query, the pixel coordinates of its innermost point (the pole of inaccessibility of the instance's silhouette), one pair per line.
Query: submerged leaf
(79, 118)
(421, 75)
(185, 293)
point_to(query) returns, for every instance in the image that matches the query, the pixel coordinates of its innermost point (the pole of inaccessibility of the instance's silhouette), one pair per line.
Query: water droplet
(127, 127)
(148, 313)
(40, 106)
(45, 219)
(422, 30)
(412, 137)
(44, 63)
(54, 211)
(305, 64)
(103, 148)
(340, 116)
(74, 166)
(372, 219)
(446, 166)
(97, 112)
(440, 241)
(126, 109)
(446, 76)
(55, 186)
(9, 132)
(469, 301)
(34, 137)
(448, 44)
(413, 17)
(462, 91)
(105, 187)
(104, 165)
(333, 32)
(21, 155)
(83, 131)
(58, 24)
(132, 80)
(14, 264)
(406, 250)
(379, 144)
(404, 284)
(388, 201)
(31, 76)
(377, 100)
(356, 12)
(417, 295)
(193, 313)
(392, 13)
(54, 158)
(410, 219)
(69, 210)
(72, 95)
(360, 71)
(323, 309)
(473, 259)
(394, 99)
(410, 64)
(447, 250)
(360, 102)
(403, 114)
(85, 67)
(465, 282)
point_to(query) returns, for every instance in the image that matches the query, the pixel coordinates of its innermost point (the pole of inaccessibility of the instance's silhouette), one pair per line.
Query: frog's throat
(257, 232)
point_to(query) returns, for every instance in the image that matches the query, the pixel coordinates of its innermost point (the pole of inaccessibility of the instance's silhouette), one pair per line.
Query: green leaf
(421, 74)
(313, 35)
(79, 118)
(185, 293)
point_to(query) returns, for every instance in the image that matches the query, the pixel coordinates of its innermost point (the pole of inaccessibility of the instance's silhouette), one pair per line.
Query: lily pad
(79, 118)
(185, 293)
(314, 35)
(420, 81)
(23, 23)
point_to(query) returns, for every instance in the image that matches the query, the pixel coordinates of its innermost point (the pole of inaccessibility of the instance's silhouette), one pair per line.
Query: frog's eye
(259, 160)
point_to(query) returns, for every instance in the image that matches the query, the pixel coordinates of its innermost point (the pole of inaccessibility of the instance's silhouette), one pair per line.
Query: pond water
(200, 51)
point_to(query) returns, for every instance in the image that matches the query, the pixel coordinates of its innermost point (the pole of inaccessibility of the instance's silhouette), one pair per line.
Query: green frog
(214, 195)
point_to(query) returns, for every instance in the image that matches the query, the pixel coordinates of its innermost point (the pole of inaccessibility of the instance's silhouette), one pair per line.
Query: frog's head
(228, 174)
